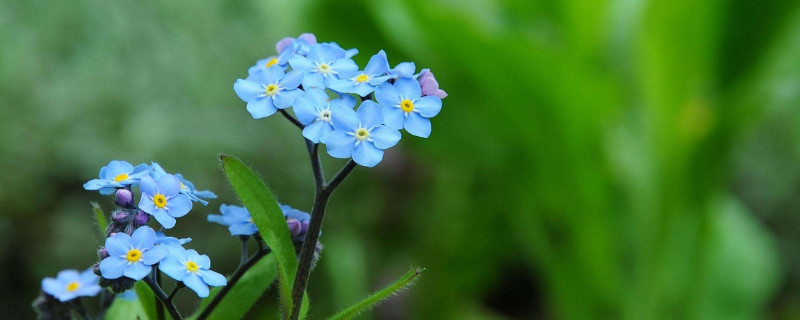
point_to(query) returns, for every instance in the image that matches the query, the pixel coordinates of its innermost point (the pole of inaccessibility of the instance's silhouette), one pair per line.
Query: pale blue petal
(383, 137)
(405, 69)
(154, 255)
(144, 238)
(148, 185)
(301, 63)
(344, 66)
(203, 261)
(362, 89)
(213, 278)
(87, 290)
(243, 229)
(112, 267)
(173, 268)
(387, 95)
(247, 90)
(179, 206)
(367, 154)
(369, 114)
(157, 171)
(95, 184)
(377, 65)
(119, 244)
(339, 144)
(408, 88)
(88, 277)
(351, 53)
(305, 107)
(116, 168)
(393, 117)
(206, 194)
(316, 130)
(216, 218)
(142, 168)
(197, 285)
(376, 81)
(346, 101)
(164, 219)
(137, 271)
(51, 286)
(344, 118)
(261, 108)
(291, 80)
(169, 185)
(340, 85)
(107, 191)
(417, 125)
(271, 75)
(313, 80)
(285, 99)
(147, 205)
(428, 106)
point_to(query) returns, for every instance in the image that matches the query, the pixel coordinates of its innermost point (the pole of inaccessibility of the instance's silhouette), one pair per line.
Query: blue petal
(137, 271)
(116, 168)
(291, 80)
(383, 137)
(405, 69)
(340, 144)
(154, 255)
(142, 169)
(179, 206)
(369, 114)
(376, 81)
(344, 118)
(144, 238)
(340, 85)
(119, 244)
(346, 101)
(163, 218)
(377, 65)
(286, 98)
(261, 108)
(203, 261)
(247, 90)
(313, 80)
(52, 286)
(156, 171)
(417, 125)
(393, 117)
(197, 285)
(87, 290)
(206, 194)
(243, 229)
(95, 184)
(301, 63)
(344, 66)
(325, 53)
(387, 95)
(271, 75)
(316, 131)
(408, 88)
(148, 186)
(216, 218)
(173, 268)
(305, 107)
(367, 154)
(213, 278)
(428, 106)
(351, 52)
(107, 191)
(112, 267)
(88, 276)
(362, 89)
(169, 185)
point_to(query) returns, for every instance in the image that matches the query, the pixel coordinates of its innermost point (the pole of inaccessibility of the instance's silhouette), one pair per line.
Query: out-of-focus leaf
(126, 309)
(379, 296)
(100, 219)
(147, 299)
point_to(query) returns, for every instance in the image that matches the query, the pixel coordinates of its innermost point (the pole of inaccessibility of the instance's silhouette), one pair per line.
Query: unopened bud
(102, 253)
(429, 85)
(124, 198)
(304, 227)
(141, 218)
(119, 216)
(295, 227)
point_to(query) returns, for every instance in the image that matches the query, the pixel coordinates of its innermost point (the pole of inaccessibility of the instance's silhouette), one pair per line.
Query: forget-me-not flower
(404, 106)
(313, 110)
(116, 174)
(70, 284)
(187, 187)
(237, 218)
(404, 70)
(301, 45)
(429, 85)
(364, 82)
(131, 256)
(322, 64)
(360, 134)
(269, 90)
(162, 199)
(193, 270)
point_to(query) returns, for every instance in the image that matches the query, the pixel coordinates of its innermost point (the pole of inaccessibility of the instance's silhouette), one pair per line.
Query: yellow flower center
(183, 186)
(272, 62)
(362, 78)
(407, 105)
(160, 201)
(72, 286)
(133, 255)
(121, 177)
(192, 267)
(271, 90)
(362, 134)
(324, 68)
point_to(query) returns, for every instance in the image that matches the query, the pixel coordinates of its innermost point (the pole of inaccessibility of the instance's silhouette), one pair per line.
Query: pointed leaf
(100, 218)
(126, 309)
(146, 298)
(378, 297)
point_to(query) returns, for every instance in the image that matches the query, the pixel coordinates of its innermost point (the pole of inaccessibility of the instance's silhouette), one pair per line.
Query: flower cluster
(322, 83)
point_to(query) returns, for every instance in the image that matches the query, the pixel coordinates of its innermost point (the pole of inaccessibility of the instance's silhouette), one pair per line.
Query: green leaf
(244, 293)
(100, 217)
(124, 309)
(378, 297)
(147, 299)
(270, 221)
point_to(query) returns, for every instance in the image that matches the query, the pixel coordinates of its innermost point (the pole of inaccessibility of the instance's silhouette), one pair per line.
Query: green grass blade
(245, 293)
(100, 217)
(378, 297)
(268, 218)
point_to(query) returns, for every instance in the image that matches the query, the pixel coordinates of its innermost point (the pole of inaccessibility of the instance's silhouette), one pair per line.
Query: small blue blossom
(313, 110)
(322, 64)
(269, 90)
(237, 218)
(404, 70)
(300, 46)
(193, 270)
(281, 60)
(162, 239)
(404, 106)
(70, 284)
(131, 256)
(162, 199)
(364, 82)
(187, 187)
(116, 174)
(360, 134)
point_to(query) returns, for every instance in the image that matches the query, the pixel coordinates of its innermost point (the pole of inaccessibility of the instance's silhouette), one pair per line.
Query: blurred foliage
(623, 159)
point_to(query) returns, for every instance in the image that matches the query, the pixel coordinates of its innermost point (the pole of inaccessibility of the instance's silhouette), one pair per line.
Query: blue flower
(301, 45)
(349, 53)
(193, 269)
(162, 199)
(364, 82)
(162, 239)
(116, 174)
(269, 90)
(360, 134)
(70, 284)
(404, 106)
(237, 218)
(131, 256)
(323, 62)
(282, 61)
(313, 109)
(404, 70)
(187, 187)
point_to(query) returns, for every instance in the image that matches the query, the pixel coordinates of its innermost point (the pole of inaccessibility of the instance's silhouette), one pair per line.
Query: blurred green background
(623, 159)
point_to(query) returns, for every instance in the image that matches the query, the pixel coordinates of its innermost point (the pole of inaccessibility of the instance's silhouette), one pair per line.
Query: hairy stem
(162, 297)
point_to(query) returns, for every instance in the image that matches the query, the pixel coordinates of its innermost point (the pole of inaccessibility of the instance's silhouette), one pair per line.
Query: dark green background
(623, 159)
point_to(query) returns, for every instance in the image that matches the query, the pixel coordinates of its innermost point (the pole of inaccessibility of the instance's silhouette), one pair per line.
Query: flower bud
(141, 218)
(102, 253)
(429, 85)
(119, 216)
(304, 227)
(295, 227)
(124, 198)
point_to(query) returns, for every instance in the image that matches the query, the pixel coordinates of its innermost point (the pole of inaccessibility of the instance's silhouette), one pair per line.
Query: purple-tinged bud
(112, 234)
(295, 227)
(102, 253)
(124, 198)
(141, 218)
(119, 216)
(304, 227)
(430, 87)
(310, 38)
